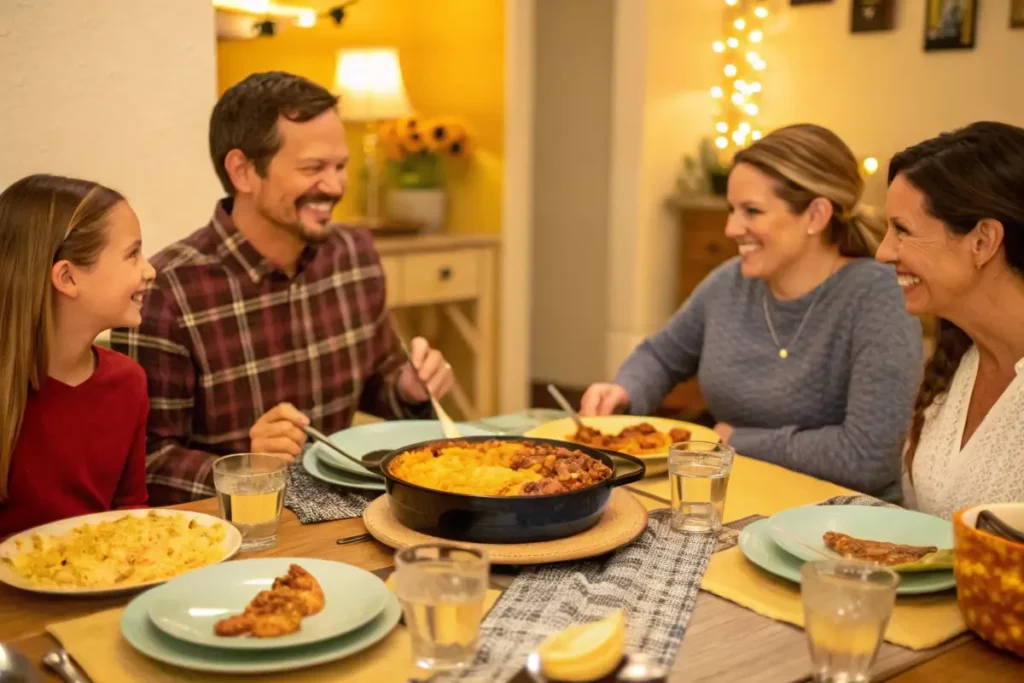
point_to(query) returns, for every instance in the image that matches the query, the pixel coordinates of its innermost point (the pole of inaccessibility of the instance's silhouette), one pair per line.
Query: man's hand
(603, 399)
(278, 432)
(432, 369)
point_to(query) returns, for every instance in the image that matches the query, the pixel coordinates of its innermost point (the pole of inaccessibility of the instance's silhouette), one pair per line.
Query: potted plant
(717, 172)
(416, 151)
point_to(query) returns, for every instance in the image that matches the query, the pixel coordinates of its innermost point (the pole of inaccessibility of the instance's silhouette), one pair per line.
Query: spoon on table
(16, 667)
(637, 667)
(61, 663)
(565, 405)
(317, 436)
(448, 427)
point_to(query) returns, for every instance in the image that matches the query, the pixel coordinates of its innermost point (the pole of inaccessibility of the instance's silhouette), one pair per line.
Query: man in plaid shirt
(269, 317)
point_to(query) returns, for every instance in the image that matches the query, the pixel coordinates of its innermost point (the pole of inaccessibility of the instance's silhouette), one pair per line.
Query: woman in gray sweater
(805, 353)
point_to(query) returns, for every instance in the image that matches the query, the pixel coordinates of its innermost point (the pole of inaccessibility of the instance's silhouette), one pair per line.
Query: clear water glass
(698, 476)
(442, 589)
(250, 490)
(847, 605)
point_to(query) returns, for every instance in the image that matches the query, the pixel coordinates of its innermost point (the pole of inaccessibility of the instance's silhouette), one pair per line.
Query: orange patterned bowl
(990, 576)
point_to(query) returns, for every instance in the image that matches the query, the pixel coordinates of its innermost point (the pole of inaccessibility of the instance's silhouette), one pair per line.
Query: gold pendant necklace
(784, 350)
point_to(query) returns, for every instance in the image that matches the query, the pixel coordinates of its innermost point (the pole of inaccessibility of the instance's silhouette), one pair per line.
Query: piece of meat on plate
(877, 552)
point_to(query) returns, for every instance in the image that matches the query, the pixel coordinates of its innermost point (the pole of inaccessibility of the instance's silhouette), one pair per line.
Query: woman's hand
(725, 431)
(603, 399)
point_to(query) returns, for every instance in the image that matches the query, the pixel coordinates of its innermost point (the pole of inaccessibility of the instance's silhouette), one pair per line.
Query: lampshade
(369, 84)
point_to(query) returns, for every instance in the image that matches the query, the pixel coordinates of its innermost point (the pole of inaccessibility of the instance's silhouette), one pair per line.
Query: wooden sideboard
(439, 277)
(703, 246)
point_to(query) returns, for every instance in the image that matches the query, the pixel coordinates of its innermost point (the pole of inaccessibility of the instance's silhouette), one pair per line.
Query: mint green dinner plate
(757, 544)
(140, 632)
(799, 530)
(326, 473)
(189, 606)
(390, 435)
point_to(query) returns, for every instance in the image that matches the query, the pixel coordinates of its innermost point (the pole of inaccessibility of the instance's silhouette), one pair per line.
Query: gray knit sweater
(837, 408)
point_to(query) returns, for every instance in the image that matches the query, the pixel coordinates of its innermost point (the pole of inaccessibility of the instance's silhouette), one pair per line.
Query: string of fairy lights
(737, 99)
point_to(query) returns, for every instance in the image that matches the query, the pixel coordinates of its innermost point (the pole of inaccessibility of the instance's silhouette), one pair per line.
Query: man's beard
(297, 228)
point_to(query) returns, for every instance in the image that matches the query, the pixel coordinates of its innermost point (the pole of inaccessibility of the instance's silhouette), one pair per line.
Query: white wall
(881, 91)
(573, 84)
(118, 91)
(662, 76)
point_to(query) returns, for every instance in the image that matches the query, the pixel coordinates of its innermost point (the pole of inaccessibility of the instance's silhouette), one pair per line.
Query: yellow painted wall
(451, 53)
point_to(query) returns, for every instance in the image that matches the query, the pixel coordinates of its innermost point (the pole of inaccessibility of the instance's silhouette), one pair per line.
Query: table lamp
(369, 85)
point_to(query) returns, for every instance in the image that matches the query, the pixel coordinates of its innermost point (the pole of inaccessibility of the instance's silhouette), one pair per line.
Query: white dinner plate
(230, 544)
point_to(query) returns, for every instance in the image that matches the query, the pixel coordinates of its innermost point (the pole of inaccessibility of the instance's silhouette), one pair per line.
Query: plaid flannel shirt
(225, 337)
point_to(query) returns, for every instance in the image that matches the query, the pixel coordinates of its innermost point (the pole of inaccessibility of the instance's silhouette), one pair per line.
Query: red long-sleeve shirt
(81, 449)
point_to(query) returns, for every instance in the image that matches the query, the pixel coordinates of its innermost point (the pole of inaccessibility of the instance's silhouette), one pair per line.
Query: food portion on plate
(876, 552)
(636, 439)
(278, 611)
(499, 468)
(131, 550)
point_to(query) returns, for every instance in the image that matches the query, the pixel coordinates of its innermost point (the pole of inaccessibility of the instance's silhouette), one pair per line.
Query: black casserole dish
(506, 519)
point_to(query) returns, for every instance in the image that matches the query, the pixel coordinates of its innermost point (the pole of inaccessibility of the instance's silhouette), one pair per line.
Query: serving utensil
(636, 667)
(373, 473)
(990, 522)
(448, 427)
(16, 667)
(61, 663)
(565, 405)
(372, 459)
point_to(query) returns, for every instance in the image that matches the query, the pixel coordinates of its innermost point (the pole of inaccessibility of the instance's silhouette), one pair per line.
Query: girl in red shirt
(72, 415)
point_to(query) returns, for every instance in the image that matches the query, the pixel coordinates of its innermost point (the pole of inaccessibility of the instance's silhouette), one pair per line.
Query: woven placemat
(624, 519)
(315, 501)
(654, 580)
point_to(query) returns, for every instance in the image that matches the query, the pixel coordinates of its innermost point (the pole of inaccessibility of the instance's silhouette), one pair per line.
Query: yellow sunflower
(411, 140)
(390, 142)
(437, 135)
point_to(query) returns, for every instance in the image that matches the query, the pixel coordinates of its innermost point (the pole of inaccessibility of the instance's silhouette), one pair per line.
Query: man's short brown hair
(246, 117)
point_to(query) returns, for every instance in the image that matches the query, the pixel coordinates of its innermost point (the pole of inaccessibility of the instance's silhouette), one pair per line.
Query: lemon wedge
(585, 652)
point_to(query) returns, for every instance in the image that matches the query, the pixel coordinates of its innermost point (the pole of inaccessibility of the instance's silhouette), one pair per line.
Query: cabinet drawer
(709, 246)
(440, 276)
(392, 267)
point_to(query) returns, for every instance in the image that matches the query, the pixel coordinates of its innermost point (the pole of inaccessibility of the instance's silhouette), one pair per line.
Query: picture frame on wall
(950, 24)
(872, 15)
(1016, 13)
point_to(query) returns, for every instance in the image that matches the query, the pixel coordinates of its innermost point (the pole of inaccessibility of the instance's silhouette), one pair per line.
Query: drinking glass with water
(442, 589)
(847, 605)
(250, 490)
(698, 475)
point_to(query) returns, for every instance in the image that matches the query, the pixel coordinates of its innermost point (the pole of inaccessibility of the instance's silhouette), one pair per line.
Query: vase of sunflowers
(416, 152)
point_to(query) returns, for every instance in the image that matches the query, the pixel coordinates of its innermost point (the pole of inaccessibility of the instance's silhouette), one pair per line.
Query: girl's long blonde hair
(43, 219)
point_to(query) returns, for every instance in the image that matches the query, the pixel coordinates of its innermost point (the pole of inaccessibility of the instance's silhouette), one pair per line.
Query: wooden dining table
(24, 616)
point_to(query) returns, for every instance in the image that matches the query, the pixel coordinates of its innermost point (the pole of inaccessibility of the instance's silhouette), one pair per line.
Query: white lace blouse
(990, 467)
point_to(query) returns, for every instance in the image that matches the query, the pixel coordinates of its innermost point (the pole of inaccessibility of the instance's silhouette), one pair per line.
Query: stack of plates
(784, 542)
(326, 465)
(174, 623)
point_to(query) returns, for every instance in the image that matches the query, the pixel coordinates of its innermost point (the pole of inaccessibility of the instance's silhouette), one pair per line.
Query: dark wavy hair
(966, 176)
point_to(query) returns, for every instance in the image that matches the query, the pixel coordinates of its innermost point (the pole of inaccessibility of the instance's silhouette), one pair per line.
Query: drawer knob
(445, 273)
(714, 248)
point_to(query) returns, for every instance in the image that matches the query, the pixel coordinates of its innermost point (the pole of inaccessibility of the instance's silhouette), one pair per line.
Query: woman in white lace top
(955, 208)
